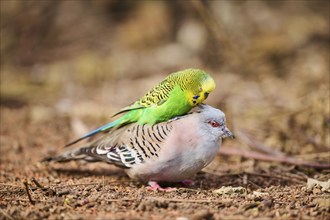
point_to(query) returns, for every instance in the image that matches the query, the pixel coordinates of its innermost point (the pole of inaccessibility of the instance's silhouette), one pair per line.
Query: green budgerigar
(176, 95)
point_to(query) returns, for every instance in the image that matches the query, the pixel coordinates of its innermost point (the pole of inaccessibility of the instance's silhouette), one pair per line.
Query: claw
(154, 186)
(188, 182)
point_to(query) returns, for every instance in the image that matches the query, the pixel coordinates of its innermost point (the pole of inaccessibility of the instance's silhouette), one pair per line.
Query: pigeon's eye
(206, 94)
(214, 124)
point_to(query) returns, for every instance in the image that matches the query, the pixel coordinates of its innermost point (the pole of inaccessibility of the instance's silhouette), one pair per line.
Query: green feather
(176, 95)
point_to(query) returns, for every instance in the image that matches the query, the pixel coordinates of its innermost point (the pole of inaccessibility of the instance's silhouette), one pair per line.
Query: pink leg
(154, 187)
(188, 182)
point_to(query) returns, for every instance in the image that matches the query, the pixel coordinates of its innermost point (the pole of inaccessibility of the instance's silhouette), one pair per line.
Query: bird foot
(154, 186)
(188, 182)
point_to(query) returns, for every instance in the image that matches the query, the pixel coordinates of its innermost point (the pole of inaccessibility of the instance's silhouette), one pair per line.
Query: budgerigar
(170, 151)
(176, 95)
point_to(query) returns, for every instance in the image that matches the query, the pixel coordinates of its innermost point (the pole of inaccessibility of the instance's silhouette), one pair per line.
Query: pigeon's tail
(75, 154)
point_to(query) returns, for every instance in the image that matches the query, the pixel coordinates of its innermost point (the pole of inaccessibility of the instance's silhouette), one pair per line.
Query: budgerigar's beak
(228, 133)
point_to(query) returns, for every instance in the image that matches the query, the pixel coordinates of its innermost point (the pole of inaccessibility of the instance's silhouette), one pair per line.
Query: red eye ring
(214, 124)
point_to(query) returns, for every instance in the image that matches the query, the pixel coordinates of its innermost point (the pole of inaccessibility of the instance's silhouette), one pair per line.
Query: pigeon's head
(213, 122)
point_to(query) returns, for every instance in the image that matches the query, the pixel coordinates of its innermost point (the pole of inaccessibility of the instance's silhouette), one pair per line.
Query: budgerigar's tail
(96, 131)
(117, 123)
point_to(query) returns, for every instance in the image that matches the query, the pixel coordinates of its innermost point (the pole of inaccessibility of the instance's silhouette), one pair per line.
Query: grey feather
(167, 151)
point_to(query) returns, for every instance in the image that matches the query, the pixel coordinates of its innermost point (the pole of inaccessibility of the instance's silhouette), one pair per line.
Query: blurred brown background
(67, 66)
(87, 59)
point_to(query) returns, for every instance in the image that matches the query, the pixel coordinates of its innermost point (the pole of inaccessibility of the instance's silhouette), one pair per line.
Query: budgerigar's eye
(214, 124)
(206, 94)
(196, 97)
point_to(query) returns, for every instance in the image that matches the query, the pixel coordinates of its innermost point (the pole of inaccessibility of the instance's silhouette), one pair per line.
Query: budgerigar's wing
(124, 147)
(134, 106)
(155, 97)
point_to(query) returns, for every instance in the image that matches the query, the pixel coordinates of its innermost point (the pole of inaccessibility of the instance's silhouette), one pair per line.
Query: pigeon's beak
(228, 133)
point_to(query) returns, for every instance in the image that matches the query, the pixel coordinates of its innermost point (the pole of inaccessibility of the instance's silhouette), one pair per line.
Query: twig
(260, 156)
(61, 193)
(253, 143)
(120, 200)
(189, 189)
(78, 184)
(6, 215)
(290, 178)
(38, 184)
(12, 191)
(251, 205)
(315, 155)
(165, 199)
(47, 190)
(183, 200)
(301, 176)
(256, 185)
(28, 192)
(22, 200)
(87, 184)
(219, 174)
(10, 185)
(255, 174)
(103, 183)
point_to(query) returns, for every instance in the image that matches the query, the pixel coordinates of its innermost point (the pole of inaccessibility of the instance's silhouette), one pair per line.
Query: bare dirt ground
(66, 66)
(93, 191)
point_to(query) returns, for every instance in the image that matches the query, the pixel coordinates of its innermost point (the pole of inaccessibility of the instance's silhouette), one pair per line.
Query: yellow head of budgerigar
(204, 89)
